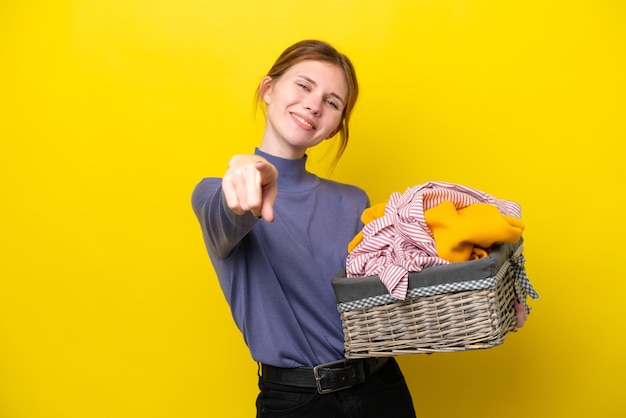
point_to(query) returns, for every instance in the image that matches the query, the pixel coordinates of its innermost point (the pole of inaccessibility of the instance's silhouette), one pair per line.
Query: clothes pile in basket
(431, 224)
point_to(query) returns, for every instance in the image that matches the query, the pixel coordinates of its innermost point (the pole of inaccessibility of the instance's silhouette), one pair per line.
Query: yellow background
(112, 110)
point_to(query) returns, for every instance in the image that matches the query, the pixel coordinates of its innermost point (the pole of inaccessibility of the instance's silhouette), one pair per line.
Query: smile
(302, 121)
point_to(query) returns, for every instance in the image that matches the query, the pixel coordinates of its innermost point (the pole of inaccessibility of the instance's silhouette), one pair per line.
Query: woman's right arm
(228, 210)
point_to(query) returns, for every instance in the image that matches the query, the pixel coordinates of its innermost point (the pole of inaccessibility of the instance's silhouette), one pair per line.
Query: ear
(265, 89)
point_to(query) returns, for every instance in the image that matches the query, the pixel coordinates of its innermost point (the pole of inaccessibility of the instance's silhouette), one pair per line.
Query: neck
(280, 148)
(292, 174)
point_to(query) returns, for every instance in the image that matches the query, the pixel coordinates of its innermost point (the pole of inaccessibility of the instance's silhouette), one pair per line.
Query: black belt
(326, 378)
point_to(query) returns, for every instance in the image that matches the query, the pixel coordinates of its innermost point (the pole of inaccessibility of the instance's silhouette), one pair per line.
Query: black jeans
(384, 394)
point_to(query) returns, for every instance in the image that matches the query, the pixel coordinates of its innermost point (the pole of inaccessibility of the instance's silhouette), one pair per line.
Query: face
(304, 107)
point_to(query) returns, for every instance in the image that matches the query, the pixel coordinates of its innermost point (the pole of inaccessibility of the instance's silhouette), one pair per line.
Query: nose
(312, 107)
(311, 110)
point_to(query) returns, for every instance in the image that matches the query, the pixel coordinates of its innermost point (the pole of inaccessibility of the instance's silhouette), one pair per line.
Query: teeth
(302, 120)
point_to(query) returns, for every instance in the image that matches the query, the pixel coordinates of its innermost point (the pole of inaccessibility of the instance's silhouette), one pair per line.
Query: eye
(303, 86)
(332, 104)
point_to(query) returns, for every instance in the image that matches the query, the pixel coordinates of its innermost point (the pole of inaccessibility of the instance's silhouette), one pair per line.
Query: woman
(276, 235)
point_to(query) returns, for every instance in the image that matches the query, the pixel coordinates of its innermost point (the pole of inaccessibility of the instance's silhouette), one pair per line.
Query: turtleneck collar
(292, 174)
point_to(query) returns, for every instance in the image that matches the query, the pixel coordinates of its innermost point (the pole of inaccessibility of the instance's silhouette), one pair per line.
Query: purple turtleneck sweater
(277, 276)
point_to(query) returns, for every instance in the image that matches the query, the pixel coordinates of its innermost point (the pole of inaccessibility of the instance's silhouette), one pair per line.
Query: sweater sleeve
(222, 229)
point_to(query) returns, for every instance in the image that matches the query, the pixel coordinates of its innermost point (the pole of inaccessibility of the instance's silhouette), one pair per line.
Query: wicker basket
(455, 307)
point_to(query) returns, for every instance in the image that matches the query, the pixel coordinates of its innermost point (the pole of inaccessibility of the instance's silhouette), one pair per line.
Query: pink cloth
(400, 241)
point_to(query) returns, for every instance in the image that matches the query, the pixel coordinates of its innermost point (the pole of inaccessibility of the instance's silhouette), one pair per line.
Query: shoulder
(348, 190)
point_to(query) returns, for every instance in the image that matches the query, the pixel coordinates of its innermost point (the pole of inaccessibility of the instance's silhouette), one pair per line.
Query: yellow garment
(368, 215)
(458, 233)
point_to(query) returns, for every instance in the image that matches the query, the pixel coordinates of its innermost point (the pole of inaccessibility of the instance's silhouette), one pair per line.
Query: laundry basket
(455, 307)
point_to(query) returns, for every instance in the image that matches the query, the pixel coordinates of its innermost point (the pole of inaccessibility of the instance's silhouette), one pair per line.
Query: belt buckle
(318, 378)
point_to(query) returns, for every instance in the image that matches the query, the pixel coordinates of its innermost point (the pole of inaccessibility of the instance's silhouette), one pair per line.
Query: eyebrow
(315, 84)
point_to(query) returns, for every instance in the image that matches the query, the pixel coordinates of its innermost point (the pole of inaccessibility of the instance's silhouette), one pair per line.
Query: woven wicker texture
(475, 319)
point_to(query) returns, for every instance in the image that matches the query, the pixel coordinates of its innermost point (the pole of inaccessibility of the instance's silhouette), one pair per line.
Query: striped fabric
(400, 241)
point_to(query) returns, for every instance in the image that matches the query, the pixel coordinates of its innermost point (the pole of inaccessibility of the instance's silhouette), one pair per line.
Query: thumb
(267, 204)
